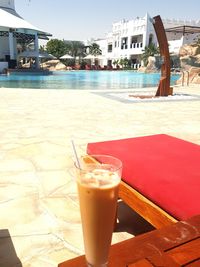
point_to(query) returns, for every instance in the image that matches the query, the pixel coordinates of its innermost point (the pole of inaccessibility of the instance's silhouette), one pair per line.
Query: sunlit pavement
(39, 210)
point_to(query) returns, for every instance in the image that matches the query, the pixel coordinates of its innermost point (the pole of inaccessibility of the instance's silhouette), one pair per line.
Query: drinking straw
(75, 154)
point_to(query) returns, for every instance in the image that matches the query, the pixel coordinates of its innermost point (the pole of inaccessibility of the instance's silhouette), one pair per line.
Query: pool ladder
(183, 77)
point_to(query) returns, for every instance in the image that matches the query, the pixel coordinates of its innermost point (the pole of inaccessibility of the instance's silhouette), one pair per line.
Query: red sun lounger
(160, 178)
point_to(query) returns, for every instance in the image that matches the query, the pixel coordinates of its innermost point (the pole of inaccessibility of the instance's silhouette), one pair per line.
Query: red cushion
(163, 168)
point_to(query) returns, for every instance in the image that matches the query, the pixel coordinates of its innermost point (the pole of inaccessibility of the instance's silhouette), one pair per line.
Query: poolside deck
(38, 198)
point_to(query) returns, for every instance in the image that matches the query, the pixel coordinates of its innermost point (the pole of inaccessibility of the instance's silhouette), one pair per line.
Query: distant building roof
(184, 29)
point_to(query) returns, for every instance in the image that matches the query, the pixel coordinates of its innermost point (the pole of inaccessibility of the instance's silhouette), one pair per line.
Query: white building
(16, 35)
(129, 38)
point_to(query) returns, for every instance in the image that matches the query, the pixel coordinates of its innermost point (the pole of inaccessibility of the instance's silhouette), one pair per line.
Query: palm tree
(116, 62)
(94, 49)
(150, 50)
(124, 62)
(75, 48)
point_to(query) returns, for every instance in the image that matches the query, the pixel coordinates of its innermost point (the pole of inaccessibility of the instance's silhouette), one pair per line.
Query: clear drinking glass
(98, 184)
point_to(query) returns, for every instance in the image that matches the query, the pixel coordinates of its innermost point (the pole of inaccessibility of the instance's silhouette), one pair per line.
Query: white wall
(174, 46)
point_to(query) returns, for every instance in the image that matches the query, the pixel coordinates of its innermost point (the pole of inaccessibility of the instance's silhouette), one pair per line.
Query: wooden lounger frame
(144, 207)
(152, 213)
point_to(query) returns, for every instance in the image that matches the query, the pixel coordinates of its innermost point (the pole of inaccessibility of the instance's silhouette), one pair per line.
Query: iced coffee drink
(98, 192)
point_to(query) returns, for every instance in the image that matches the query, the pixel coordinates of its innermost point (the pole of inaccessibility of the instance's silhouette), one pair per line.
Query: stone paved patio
(39, 213)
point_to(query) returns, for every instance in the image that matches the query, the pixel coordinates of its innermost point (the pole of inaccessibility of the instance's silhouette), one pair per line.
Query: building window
(124, 43)
(150, 39)
(109, 48)
(133, 42)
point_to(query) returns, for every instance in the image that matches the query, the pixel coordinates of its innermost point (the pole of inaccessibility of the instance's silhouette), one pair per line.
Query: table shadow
(8, 256)
(131, 222)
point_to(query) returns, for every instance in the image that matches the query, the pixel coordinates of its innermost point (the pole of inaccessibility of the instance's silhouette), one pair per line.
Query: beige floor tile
(39, 212)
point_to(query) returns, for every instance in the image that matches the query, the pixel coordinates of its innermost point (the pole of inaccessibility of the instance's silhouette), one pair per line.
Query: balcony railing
(136, 66)
(124, 46)
(136, 45)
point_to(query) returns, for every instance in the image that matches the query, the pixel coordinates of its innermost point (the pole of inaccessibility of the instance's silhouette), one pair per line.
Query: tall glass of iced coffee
(98, 183)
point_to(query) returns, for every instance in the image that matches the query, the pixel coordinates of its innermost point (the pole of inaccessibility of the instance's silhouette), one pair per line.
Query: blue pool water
(84, 80)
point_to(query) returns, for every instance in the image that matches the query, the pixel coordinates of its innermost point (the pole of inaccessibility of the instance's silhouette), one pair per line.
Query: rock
(198, 58)
(194, 75)
(52, 62)
(151, 66)
(189, 56)
(189, 50)
(60, 66)
(187, 61)
(142, 69)
(53, 65)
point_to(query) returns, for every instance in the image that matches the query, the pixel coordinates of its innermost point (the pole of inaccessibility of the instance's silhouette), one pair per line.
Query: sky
(86, 19)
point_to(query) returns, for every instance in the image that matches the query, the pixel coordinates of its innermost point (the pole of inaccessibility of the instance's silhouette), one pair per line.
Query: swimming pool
(84, 80)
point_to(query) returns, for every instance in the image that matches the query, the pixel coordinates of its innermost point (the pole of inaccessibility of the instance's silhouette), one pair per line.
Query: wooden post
(164, 88)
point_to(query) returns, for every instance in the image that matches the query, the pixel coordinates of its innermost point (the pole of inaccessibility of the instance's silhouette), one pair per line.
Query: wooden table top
(172, 246)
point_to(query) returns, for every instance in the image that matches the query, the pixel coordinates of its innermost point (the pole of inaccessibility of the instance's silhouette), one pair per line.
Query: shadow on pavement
(8, 256)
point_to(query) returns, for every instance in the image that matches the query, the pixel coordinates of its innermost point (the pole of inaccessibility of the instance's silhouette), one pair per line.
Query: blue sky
(84, 19)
